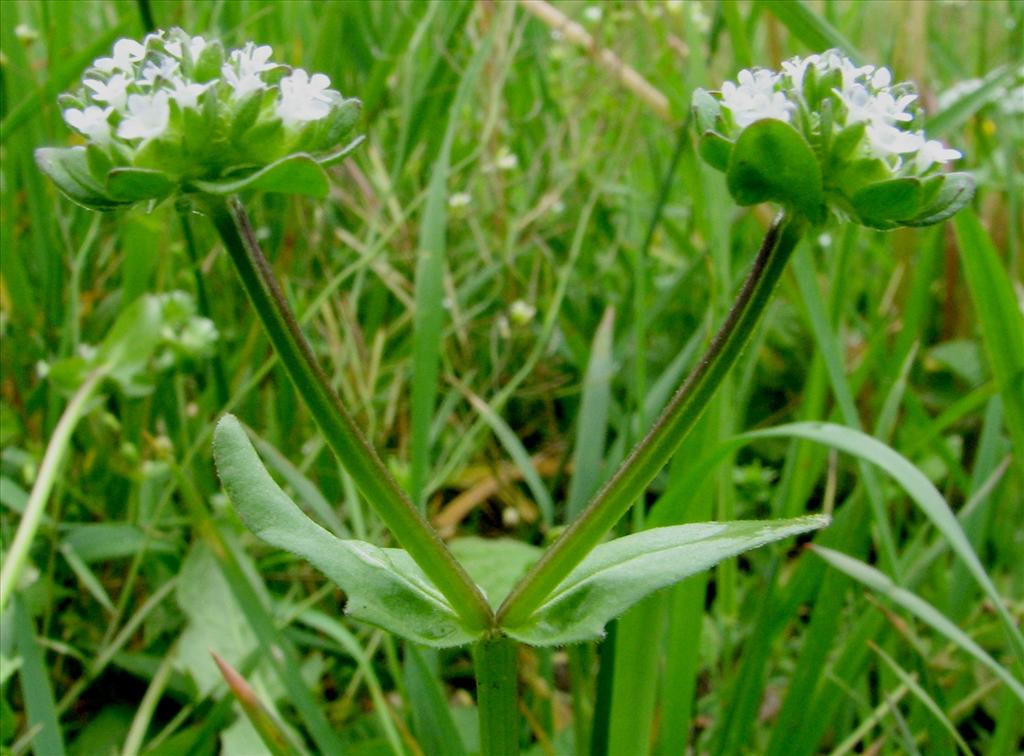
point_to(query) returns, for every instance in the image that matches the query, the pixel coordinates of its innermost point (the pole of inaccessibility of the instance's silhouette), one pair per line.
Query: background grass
(592, 209)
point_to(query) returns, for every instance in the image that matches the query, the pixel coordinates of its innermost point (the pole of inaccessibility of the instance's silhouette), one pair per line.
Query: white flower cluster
(857, 94)
(145, 91)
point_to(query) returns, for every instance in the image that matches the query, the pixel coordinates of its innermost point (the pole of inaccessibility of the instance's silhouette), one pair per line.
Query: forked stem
(378, 486)
(654, 451)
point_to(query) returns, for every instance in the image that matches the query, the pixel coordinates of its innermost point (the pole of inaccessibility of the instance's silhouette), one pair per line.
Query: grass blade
(1000, 319)
(920, 608)
(428, 316)
(40, 709)
(922, 695)
(810, 28)
(592, 419)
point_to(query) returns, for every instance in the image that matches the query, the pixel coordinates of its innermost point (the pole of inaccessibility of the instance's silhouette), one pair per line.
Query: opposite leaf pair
(386, 588)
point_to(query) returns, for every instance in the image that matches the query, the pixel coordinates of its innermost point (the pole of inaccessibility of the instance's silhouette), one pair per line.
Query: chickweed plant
(177, 118)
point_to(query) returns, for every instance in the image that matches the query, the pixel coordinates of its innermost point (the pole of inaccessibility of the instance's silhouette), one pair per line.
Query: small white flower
(755, 97)
(833, 60)
(25, 34)
(506, 160)
(196, 46)
(126, 53)
(242, 85)
(934, 151)
(91, 122)
(153, 73)
(593, 13)
(881, 78)
(521, 313)
(186, 93)
(147, 116)
(252, 60)
(304, 98)
(114, 91)
(889, 140)
(796, 68)
(459, 200)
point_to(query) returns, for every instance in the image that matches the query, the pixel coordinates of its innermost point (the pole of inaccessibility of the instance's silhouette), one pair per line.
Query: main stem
(678, 418)
(373, 479)
(497, 697)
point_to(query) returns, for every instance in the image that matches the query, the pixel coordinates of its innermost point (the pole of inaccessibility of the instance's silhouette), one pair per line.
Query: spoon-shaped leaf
(771, 161)
(619, 573)
(68, 168)
(384, 586)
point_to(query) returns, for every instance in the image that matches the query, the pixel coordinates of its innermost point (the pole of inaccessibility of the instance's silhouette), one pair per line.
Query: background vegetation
(588, 255)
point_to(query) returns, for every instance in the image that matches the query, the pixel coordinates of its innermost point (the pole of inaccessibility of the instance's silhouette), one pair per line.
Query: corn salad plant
(181, 121)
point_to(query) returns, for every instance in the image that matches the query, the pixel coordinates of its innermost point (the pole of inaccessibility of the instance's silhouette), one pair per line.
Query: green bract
(825, 135)
(176, 114)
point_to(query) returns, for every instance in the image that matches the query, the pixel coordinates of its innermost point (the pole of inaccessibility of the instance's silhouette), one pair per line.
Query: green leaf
(881, 583)
(294, 174)
(136, 184)
(126, 349)
(616, 575)
(384, 586)
(999, 315)
(270, 731)
(103, 541)
(37, 694)
(495, 564)
(917, 486)
(810, 28)
(881, 203)
(857, 174)
(715, 149)
(706, 110)
(335, 157)
(846, 141)
(955, 191)
(68, 168)
(773, 162)
(922, 695)
(592, 419)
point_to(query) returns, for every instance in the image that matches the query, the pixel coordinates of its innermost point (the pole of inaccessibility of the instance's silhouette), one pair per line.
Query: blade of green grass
(637, 658)
(810, 28)
(516, 450)
(592, 419)
(922, 695)
(340, 634)
(1000, 319)
(40, 710)
(881, 583)
(431, 716)
(828, 345)
(429, 310)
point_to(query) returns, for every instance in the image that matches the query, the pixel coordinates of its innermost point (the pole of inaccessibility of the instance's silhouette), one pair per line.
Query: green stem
(495, 662)
(220, 380)
(17, 555)
(651, 454)
(409, 527)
